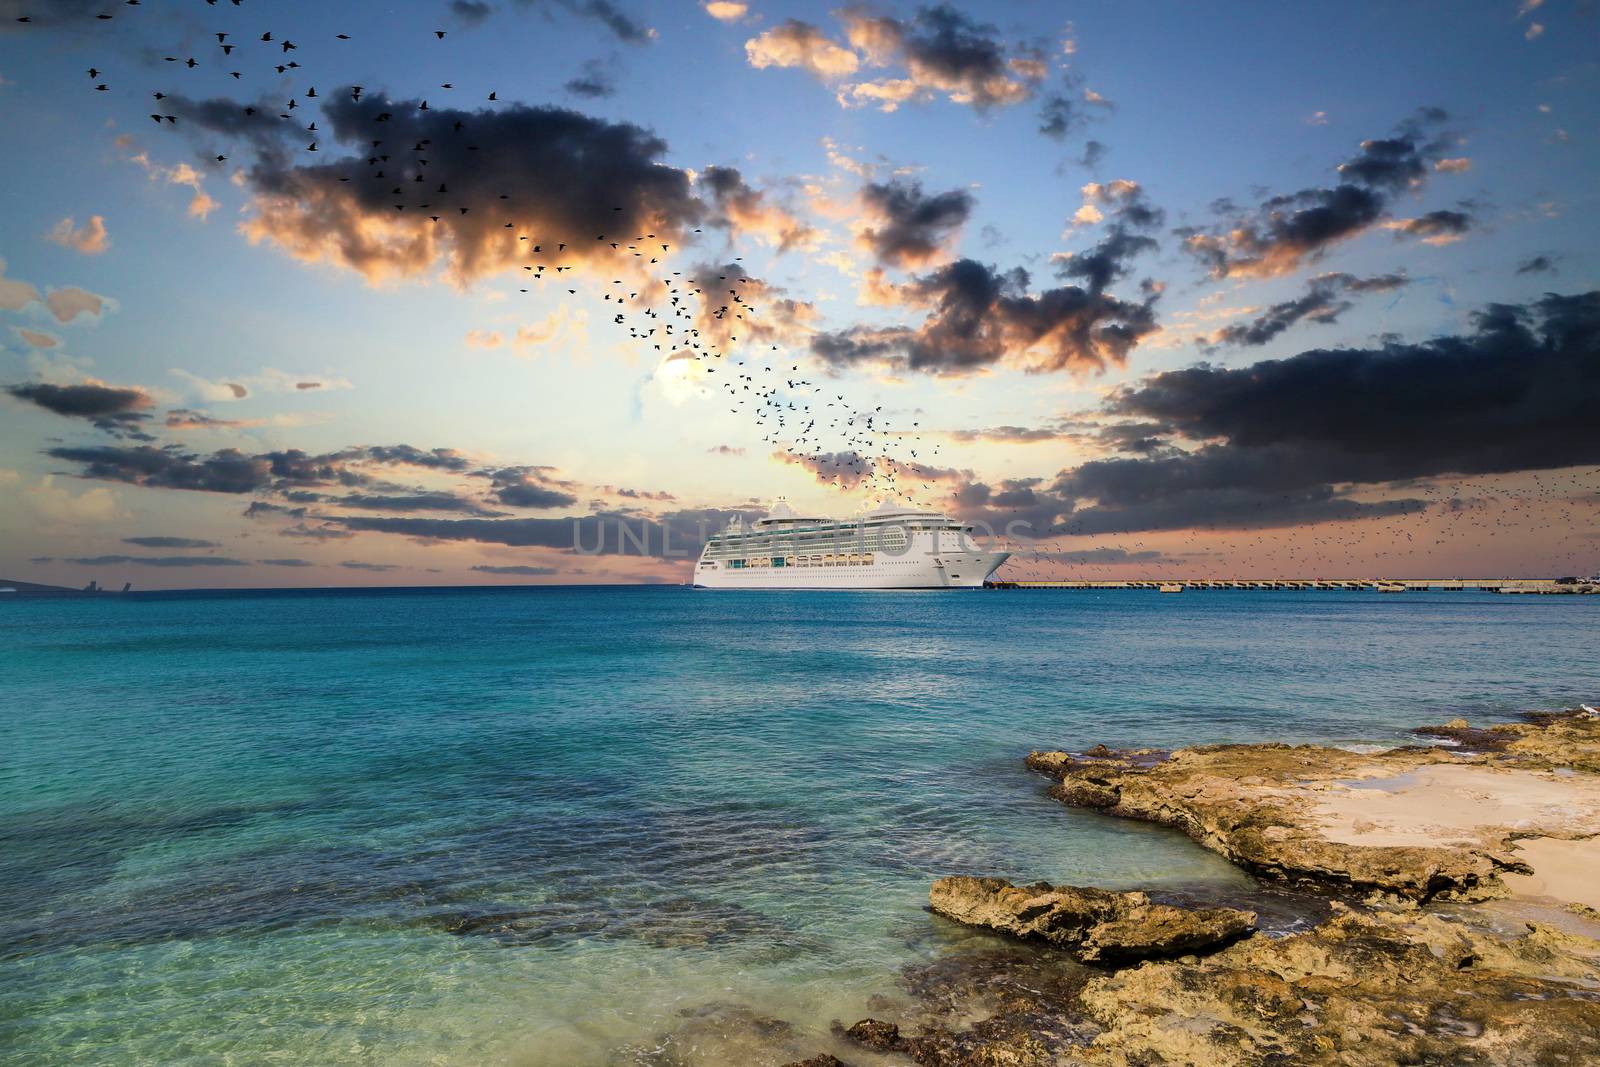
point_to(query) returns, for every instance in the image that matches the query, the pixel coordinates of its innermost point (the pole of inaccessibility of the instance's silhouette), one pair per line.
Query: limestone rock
(1096, 925)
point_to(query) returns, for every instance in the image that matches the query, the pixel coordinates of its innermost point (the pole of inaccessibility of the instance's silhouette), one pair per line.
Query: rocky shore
(1454, 882)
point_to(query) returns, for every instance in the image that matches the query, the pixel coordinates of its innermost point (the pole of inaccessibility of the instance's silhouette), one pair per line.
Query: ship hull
(961, 570)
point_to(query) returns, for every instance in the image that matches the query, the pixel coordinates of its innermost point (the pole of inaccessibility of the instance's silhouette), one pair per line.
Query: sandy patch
(1567, 870)
(1456, 804)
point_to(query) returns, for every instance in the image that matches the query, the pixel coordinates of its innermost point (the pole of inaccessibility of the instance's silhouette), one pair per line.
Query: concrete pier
(1547, 586)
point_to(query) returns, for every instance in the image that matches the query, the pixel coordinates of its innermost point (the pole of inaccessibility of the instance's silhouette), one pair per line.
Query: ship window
(777, 561)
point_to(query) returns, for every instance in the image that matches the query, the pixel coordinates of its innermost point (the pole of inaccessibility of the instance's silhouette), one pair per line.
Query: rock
(1290, 811)
(874, 1034)
(821, 1059)
(1362, 989)
(1082, 793)
(1095, 925)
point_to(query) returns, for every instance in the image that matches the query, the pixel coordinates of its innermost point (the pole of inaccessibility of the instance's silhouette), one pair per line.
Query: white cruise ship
(888, 548)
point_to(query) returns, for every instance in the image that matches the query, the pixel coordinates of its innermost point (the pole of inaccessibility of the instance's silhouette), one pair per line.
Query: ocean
(589, 826)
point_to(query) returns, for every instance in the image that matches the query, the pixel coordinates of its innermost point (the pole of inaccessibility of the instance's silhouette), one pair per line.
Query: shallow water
(595, 826)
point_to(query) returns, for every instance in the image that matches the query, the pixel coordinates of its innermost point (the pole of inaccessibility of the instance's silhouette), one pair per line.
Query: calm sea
(547, 827)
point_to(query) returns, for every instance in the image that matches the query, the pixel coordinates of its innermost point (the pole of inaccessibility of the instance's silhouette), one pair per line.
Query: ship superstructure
(888, 548)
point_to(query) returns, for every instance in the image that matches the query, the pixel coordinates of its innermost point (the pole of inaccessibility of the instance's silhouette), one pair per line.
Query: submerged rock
(1095, 925)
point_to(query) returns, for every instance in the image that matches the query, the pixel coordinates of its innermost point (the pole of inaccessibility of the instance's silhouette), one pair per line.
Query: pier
(1529, 586)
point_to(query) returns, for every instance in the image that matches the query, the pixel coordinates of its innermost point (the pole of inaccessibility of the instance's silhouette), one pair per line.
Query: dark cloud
(529, 487)
(156, 561)
(266, 509)
(978, 317)
(564, 175)
(906, 227)
(1059, 116)
(1537, 265)
(359, 565)
(114, 409)
(743, 209)
(622, 26)
(1435, 227)
(944, 52)
(292, 474)
(446, 459)
(522, 569)
(725, 450)
(286, 563)
(1403, 160)
(1288, 441)
(1287, 230)
(418, 501)
(594, 81)
(677, 534)
(1010, 434)
(169, 467)
(470, 12)
(187, 419)
(168, 542)
(1323, 302)
(325, 532)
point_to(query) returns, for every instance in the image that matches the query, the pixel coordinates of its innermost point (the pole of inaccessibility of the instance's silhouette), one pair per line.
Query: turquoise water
(546, 827)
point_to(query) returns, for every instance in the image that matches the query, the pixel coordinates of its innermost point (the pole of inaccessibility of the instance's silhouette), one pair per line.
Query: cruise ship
(888, 548)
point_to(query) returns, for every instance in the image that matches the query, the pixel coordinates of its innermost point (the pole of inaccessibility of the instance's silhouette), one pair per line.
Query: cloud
(1287, 230)
(68, 303)
(359, 565)
(1440, 227)
(902, 226)
(226, 471)
(1285, 442)
(793, 43)
(725, 10)
(187, 419)
(470, 12)
(621, 25)
(267, 380)
(156, 561)
(1009, 434)
(15, 295)
(725, 450)
(745, 210)
(414, 501)
(286, 562)
(674, 535)
(979, 317)
(229, 470)
(114, 409)
(595, 81)
(168, 542)
(557, 176)
(1456, 165)
(943, 53)
(91, 238)
(522, 569)
(1323, 302)
(37, 338)
(530, 487)
(221, 118)
(1537, 265)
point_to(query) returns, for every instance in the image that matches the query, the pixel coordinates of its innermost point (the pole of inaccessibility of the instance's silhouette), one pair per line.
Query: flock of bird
(851, 447)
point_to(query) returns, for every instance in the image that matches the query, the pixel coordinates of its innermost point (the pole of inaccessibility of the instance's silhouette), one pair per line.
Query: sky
(543, 290)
